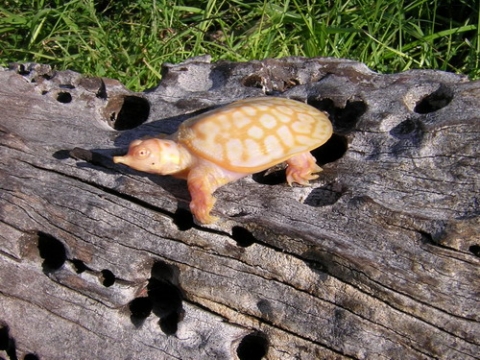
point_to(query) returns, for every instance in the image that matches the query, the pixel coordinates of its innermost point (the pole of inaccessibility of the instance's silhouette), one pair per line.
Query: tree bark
(377, 259)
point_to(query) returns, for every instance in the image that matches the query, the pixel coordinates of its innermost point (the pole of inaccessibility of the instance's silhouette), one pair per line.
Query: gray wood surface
(377, 259)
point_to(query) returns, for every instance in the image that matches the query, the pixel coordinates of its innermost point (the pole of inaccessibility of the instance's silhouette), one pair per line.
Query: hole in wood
(79, 266)
(349, 116)
(20, 68)
(4, 338)
(64, 97)
(273, 176)
(107, 278)
(345, 119)
(140, 309)
(253, 80)
(164, 299)
(434, 101)
(409, 129)
(134, 112)
(165, 272)
(169, 323)
(266, 309)
(164, 296)
(61, 154)
(475, 250)
(183, 219)
(31, 357)
(325, 195)
(427, 238)
(7, 343)
(166, 304)
(254, 346)
(52, 251)
(332, 150)
(242, 236)
(410, 134)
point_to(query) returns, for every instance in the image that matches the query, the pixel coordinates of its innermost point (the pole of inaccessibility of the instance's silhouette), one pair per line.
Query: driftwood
(377, 259)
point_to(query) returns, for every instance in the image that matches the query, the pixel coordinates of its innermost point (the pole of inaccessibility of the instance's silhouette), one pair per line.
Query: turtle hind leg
(302, 168)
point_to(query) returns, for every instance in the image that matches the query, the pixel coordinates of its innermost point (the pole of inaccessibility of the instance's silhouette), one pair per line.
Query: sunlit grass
(130, 40)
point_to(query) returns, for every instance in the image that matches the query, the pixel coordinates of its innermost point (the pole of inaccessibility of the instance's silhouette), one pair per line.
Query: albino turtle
(234, 141)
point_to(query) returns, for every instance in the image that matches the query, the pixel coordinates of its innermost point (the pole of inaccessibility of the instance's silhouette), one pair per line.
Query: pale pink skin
(166, 157)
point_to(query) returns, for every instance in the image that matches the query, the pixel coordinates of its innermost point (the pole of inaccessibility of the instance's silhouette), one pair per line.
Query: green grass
(130, 40)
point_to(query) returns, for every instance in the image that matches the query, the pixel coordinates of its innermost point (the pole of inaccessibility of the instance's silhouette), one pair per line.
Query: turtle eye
(142, 153)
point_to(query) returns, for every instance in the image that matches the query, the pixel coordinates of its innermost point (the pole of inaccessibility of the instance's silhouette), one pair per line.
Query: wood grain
(377, 259)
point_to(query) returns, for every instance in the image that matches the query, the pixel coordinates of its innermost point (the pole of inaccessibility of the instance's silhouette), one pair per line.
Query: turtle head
(157, 156)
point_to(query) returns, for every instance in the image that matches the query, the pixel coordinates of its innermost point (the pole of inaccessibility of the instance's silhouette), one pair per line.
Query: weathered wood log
(377, 259)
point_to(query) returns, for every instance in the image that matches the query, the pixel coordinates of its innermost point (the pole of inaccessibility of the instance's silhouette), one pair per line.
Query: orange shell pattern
(254, 134)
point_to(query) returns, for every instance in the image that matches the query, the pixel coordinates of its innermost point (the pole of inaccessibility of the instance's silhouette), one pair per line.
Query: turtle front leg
(302, 168)
(202, 182)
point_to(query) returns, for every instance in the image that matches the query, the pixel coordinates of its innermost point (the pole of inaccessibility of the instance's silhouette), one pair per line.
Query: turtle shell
(254, 134)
